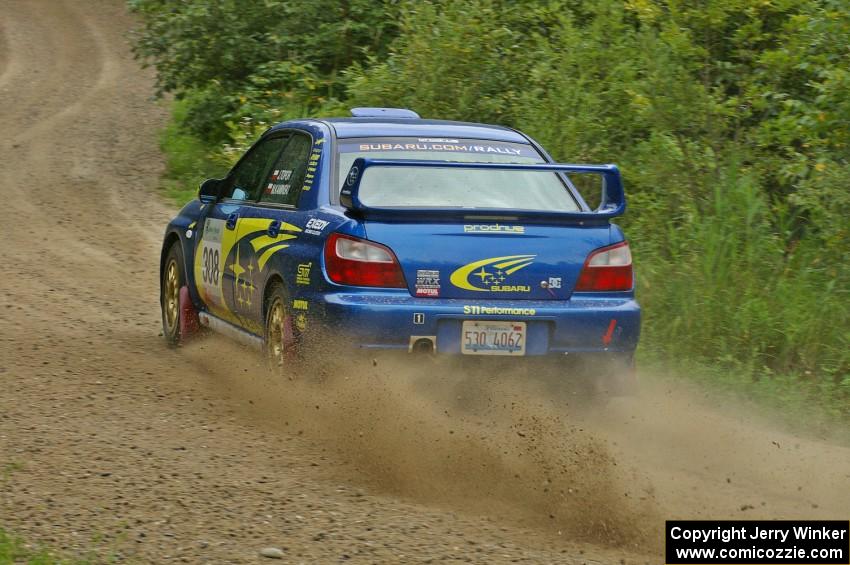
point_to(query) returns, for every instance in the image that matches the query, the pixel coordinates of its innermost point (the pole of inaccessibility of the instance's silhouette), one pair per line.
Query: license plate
(492, 338)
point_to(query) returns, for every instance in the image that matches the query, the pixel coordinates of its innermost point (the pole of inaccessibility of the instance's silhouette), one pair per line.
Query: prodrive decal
(493, 228)
(493, 274)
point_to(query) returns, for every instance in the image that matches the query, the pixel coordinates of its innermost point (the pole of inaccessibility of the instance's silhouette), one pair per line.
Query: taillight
(357, 262)
(607, 269)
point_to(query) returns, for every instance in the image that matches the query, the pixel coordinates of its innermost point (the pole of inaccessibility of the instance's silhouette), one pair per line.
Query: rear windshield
(400, 187)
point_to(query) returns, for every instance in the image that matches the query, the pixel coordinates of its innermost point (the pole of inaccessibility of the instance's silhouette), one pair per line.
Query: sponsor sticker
(442, 147)
(315, 226)
(493, 228)
(550, 284)
(427, 283)
(302, 274)
(352, 176)
(476, 310)
(278, 189)
(313, 164)
(281, 175)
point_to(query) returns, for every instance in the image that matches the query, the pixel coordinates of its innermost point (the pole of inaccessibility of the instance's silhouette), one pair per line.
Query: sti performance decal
(302, 274)
(498, 311)
(493, 274)
(427, 283)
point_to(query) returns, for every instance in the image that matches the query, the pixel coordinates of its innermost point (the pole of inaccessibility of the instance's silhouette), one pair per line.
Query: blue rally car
(398, 233)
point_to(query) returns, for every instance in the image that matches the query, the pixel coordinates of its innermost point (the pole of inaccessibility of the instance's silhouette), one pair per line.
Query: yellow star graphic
(236, 267)
(483, 274)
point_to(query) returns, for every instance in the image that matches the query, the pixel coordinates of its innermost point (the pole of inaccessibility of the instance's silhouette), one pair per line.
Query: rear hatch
(489, 260)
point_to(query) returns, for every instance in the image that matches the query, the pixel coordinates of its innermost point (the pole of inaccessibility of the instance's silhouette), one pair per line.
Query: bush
(729, 121)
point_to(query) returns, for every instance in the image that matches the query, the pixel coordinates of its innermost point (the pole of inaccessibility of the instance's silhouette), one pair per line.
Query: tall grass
(188, 159)
(730, 290)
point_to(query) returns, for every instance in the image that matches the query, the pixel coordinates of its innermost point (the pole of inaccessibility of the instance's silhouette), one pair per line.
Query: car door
(270, 227)
(216, 255)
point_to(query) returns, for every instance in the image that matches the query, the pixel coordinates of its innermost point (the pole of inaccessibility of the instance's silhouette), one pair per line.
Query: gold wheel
(169, 295)
(280, 335)
(171, 303)
(275, 334)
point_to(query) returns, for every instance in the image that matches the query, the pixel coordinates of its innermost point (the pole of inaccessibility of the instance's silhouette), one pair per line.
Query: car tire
(173, 279)
(280, 339)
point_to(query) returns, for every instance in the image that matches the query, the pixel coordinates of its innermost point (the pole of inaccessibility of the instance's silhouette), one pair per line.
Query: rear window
(453, 188)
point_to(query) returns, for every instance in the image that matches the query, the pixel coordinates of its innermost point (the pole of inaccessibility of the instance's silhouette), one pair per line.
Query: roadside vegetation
(730, 121)
(13, 550)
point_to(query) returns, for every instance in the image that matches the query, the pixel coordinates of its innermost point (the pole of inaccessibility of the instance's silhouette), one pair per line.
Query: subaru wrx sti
(420, 236)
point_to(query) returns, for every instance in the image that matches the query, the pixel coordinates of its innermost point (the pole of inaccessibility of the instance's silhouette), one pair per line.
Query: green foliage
(240, 59)
(189, 160)
(729, 118)
(454, 60)
(13, 550)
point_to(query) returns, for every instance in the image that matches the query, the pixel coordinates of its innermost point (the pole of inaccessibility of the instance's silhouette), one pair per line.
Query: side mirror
(209, 190)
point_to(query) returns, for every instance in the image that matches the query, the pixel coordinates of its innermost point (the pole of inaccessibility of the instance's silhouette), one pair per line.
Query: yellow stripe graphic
(520, 259)
(518, 267)
(264, 240)
(267, 254)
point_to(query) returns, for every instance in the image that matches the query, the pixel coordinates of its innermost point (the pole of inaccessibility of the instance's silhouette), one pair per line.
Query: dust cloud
(486, 438)
(493, 440)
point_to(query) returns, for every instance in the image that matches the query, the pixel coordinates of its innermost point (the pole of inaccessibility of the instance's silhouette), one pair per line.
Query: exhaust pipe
(422, 344)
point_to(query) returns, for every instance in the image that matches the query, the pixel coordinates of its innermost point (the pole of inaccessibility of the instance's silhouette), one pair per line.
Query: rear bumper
(583, 324)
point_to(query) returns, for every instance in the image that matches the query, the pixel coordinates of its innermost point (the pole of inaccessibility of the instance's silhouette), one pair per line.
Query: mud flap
(189, 324)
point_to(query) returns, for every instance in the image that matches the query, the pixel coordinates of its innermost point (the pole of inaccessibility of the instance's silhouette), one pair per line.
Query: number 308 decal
(211, 270)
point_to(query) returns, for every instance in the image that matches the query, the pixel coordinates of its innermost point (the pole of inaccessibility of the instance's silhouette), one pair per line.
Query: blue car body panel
(255, 245)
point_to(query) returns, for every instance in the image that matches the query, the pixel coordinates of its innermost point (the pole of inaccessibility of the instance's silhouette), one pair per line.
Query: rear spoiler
(613, 201)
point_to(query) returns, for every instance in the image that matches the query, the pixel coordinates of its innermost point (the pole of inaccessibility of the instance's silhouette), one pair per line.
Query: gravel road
(116, 447)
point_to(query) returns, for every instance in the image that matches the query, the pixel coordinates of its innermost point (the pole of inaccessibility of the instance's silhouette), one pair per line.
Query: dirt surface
(113, 445)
